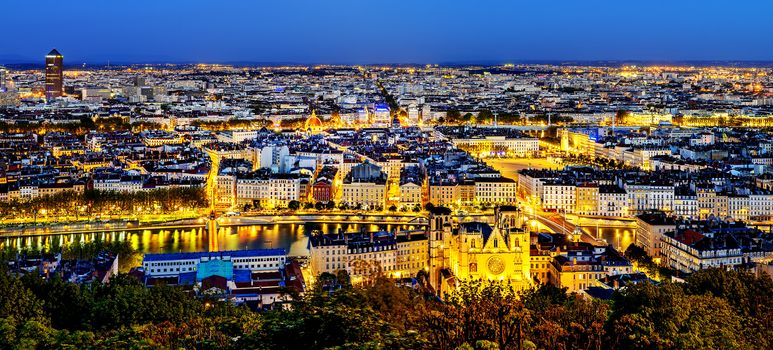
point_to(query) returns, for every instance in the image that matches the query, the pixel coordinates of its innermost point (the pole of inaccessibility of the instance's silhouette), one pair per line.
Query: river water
(291, 237)
(620, 238)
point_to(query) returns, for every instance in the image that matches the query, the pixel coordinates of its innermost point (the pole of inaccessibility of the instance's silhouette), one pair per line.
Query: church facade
(494, 251)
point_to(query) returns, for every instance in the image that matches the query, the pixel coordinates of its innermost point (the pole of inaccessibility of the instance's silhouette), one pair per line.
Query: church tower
(440, 230)
(511, 223)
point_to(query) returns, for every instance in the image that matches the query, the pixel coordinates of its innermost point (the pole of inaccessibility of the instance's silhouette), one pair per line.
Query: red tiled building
(322, 190)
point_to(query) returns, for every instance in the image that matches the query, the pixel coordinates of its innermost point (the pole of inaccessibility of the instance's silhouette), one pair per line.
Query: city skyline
(307, 33)
(348, 174)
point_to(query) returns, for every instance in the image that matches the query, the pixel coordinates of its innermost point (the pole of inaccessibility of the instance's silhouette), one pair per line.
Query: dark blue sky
(397, 31)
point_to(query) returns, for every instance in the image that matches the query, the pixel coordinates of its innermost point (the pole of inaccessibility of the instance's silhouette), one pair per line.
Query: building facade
(54, 75)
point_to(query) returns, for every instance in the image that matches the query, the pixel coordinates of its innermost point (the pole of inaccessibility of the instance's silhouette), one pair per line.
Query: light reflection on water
(292, 237)
(620, 238)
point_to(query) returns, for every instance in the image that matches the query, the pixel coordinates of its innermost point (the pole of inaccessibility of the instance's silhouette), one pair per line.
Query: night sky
(360, 31)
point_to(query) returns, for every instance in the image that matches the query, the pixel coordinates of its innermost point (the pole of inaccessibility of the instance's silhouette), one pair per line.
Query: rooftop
(228, 253)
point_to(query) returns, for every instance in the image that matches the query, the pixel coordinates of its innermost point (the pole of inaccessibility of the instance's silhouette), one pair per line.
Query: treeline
(76, 250)
(230, 124)
(454, 117)
(723, 121)
(714, 309)
(600, 162)
(92, 202)
(643, 262)
(81, 127)
(293, 123)
(330, 205)
(54, 314)
(71, 251)
(394, 107)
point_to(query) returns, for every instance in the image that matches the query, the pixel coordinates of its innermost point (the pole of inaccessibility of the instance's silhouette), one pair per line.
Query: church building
(496, 251)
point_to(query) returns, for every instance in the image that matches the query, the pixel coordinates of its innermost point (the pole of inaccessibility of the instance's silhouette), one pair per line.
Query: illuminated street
(510, 166)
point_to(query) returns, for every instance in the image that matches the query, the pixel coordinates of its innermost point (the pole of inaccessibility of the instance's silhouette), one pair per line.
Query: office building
(54, 69)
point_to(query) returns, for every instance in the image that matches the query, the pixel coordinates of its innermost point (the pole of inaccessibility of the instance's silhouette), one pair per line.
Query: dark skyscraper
(3, 73)
(54, 63)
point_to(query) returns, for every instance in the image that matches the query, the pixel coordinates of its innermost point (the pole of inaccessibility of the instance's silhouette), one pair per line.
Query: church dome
(396, 122)
(313, 122)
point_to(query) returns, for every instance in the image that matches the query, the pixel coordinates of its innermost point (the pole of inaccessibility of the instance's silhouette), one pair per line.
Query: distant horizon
(487, 63)
(373, 32)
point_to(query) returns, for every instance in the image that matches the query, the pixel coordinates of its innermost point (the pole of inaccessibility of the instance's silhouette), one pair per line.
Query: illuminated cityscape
(485, 203)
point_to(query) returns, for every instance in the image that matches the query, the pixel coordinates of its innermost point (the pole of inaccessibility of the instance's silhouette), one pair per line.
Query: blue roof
(198, 255)
(242, 275)
(215, 267)
(187, 278)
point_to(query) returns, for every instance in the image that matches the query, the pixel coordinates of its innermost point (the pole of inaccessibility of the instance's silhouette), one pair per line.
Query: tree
(647, 316)
(749, 294)
(714, 308)
(126, 302)
(485, 116)
(751, 298)
(622, 116)
(453, 117)
(646, 264)
(392, 208)
(330, 205)
(478, 310)
(545, 295)
(319, 206)
(574, 322)
(294, 205)
(16, 300)
(66, 302)
(341, 318)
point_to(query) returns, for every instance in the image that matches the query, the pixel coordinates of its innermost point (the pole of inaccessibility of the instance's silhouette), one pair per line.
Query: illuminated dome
(396, 122)
(313, 122)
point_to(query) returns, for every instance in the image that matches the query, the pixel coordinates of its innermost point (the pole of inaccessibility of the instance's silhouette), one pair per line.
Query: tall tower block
(54, 80)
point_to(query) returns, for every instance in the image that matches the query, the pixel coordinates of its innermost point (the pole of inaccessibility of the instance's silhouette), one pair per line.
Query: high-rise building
(139, 81)
(54, 81)
(3, 75)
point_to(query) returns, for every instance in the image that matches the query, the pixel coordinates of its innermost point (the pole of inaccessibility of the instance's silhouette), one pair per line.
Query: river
(620, 238)
(291, 237)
